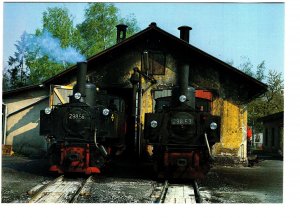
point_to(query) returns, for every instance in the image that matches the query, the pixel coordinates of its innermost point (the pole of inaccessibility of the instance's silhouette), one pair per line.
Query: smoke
(47, 45)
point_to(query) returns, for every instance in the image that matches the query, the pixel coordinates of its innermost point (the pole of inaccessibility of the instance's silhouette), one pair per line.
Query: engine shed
(273, 133)
(220, 88)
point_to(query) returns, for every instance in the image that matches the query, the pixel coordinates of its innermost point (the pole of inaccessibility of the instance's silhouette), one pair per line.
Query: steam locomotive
(180, 133)
(83, 132)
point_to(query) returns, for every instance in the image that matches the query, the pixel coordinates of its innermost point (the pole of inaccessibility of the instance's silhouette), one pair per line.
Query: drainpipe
(136, 80)
(4, 124)
(139, 123)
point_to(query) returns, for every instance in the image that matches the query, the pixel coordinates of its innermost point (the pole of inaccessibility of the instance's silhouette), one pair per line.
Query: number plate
(76, 117)
(181, 121)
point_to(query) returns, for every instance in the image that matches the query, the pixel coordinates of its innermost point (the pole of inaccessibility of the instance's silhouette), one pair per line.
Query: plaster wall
(22, 127)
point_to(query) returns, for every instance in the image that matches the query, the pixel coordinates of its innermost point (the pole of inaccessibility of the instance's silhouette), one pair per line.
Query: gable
(206, 71)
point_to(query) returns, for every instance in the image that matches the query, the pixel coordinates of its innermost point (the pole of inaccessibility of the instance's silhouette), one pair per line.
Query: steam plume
(47, 45)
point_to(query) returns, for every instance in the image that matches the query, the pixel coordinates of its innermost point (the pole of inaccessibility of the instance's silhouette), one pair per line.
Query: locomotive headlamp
(213, 126)
(182, 98)
(77, 95)
(47, 110)
(153, 124)
(105, 112)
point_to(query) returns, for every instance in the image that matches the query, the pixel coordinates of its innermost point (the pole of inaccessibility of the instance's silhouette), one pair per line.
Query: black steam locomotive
(181, 134)
(83, 132)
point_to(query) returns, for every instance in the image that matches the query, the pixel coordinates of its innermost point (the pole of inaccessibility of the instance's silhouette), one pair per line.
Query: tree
(17, 71)
(247, 67)
(5, 81)
(59, 22)
(273, 98)
(98, 28)
(270, 102)
(131, 22)
(260, 71)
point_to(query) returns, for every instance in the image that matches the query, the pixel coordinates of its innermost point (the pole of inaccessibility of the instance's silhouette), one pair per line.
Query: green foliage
(59, 22)
(5, 81)
(131, 22)
(247, 67)
(260, 71)
(42, 69)
(270, 102)
(17, 72)
(98, 29)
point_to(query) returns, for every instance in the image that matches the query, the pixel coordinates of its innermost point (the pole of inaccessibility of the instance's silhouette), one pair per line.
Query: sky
(228, 31)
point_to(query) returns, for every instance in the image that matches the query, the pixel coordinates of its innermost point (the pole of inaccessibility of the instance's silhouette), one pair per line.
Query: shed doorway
(127, 95)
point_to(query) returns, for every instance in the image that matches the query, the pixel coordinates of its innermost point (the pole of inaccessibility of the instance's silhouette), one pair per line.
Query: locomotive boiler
(180, 133)
(83, 132)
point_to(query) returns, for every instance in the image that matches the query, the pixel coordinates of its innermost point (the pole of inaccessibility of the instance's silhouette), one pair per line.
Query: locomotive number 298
(76, 116)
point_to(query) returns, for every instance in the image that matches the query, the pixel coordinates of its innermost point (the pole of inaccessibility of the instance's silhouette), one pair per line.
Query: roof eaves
(275, 116)
(21, 89)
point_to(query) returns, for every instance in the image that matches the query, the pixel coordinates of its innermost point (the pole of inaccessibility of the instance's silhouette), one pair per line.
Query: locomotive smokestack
(81, 77)
(121, 32)
(183, 78)
(185, 33)
(183, 93)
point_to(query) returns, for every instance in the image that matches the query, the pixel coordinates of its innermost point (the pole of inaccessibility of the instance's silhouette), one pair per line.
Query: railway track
(60, 190)
(187, 193)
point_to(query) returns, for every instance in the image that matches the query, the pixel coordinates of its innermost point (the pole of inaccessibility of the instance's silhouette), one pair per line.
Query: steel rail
(197, 193)
(74, 199)
(163, 192)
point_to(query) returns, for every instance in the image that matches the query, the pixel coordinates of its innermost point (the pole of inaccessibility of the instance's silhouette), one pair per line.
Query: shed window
(60, 94)
(154, 62)
(161, 98)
